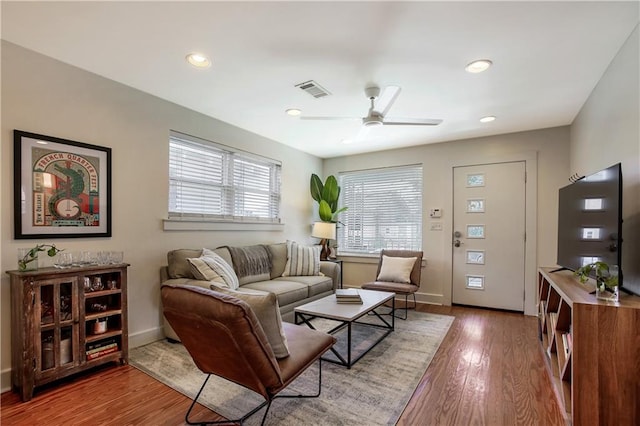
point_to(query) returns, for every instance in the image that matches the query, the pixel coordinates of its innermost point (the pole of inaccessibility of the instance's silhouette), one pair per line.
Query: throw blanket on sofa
(250, 261)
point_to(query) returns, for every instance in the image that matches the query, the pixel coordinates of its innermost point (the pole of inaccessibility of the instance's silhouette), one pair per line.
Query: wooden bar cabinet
(64, 321)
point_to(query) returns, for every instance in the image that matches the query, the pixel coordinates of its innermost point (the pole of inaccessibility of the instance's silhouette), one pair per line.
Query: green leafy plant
(603, 276)
(327, 196)
(32, 254)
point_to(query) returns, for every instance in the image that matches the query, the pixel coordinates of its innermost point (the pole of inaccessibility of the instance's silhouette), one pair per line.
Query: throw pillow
(202, 271)
(220, 267)
(301, 260)
(396, 269)
(266, 308)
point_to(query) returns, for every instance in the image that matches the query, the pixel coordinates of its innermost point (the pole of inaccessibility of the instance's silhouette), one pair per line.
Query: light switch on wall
(436, 226)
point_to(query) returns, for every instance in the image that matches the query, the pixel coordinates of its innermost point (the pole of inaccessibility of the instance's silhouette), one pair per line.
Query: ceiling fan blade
(411, 122)
(385, 100)
(329, 118)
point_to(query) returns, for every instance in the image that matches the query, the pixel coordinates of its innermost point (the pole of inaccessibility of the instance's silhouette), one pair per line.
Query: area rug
(374, 391)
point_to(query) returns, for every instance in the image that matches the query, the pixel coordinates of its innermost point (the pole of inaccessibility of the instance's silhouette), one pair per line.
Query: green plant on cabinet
(31, 255)
(604, 277)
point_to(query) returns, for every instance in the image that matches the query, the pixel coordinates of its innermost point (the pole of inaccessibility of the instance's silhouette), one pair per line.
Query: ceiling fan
(380, 105)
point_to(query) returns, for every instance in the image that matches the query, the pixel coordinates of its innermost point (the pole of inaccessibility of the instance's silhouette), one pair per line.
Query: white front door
(489, 235)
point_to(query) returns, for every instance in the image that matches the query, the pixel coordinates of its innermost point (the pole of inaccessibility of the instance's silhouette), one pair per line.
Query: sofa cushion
(302, 260)
(266, 308)
(223, 252)
(178, 266)
(396, 269)
(287, 292)
(316, 284)
(222, 268)
(278, 253)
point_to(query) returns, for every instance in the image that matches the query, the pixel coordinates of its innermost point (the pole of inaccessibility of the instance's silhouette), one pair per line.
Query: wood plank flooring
(489, 370)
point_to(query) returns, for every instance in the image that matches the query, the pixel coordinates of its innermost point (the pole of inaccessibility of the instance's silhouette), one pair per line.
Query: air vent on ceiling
(314, 89)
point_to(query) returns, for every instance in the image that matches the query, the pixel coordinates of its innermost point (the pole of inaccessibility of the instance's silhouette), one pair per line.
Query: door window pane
(475, 257)
(475, 282)
(475, 231)
(476, 179)
(475, 205)
(591, 233)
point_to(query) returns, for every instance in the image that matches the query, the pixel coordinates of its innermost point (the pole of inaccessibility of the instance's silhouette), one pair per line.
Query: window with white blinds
(385, 210)
(214, 182)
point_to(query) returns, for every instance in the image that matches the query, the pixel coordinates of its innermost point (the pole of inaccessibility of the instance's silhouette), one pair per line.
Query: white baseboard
(432, 299)
(145, 337)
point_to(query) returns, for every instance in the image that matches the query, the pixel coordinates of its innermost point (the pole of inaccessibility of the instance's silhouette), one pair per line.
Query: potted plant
(327, 196)
(26, 257)
(606, 279)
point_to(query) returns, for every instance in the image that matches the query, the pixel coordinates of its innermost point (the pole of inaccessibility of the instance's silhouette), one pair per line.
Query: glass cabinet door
(56, 326)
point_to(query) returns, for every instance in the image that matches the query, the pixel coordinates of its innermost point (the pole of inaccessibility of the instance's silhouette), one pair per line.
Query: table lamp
(325, 231)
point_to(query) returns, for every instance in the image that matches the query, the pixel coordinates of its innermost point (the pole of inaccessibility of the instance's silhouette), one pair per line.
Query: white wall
(44, 96)
(551, 146)
(607, 131)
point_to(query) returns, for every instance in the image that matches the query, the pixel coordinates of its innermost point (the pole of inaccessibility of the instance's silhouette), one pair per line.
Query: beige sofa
(291, 291)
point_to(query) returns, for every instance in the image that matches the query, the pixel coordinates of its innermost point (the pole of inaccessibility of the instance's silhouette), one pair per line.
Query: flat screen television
(590, 221)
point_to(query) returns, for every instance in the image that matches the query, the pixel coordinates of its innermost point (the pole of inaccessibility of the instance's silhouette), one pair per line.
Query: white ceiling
(548, 57)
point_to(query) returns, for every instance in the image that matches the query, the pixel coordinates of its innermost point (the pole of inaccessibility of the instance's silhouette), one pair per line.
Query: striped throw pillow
(220, 267)
(301, 260)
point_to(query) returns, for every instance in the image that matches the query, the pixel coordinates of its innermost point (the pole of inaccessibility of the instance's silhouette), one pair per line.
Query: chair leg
(317, 394)
(252, 412)
(406, 306)
(222, 422)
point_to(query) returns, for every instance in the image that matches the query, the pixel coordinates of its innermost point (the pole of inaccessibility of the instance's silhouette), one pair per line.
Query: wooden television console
(592, 348)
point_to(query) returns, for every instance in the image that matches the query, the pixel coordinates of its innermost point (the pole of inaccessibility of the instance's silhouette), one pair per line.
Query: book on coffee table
(348, 295)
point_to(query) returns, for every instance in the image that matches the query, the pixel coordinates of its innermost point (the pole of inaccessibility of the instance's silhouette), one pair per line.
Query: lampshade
(324, 230)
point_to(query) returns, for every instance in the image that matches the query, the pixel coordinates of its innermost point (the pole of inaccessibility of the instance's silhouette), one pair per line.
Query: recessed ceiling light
(487, 119)
(294, 112)
(198, 60)
(347, 141)
(478, 66)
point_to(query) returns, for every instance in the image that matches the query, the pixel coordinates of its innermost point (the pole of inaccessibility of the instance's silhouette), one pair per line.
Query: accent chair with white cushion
(399, 272)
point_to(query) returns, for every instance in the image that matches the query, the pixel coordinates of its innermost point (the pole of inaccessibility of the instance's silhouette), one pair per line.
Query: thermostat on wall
(435, 213)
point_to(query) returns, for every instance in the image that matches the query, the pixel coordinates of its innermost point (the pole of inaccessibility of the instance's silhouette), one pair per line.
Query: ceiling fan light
(478, 66)
(294, 112)
(488, 119)
(198, 60)
(372, 121)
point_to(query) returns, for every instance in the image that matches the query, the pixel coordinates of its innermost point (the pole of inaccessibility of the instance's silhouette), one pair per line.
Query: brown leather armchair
(405, 289)
(224, 337)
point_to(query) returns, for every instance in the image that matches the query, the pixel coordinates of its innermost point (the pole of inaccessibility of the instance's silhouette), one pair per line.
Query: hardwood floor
(489, 370)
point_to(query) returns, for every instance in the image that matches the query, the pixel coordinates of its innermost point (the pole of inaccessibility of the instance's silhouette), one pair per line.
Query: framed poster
(62, 188)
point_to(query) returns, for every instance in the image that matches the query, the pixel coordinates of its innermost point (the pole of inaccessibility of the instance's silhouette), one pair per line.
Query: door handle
(457, 243)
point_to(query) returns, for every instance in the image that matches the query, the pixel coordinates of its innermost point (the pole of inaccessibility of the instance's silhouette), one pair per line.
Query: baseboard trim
(5, 380)
(145, 337)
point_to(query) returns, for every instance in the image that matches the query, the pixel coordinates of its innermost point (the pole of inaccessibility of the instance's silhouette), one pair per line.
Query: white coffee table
(347, 315)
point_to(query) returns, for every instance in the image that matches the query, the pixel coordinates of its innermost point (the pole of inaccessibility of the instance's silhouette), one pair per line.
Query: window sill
(200, 225)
